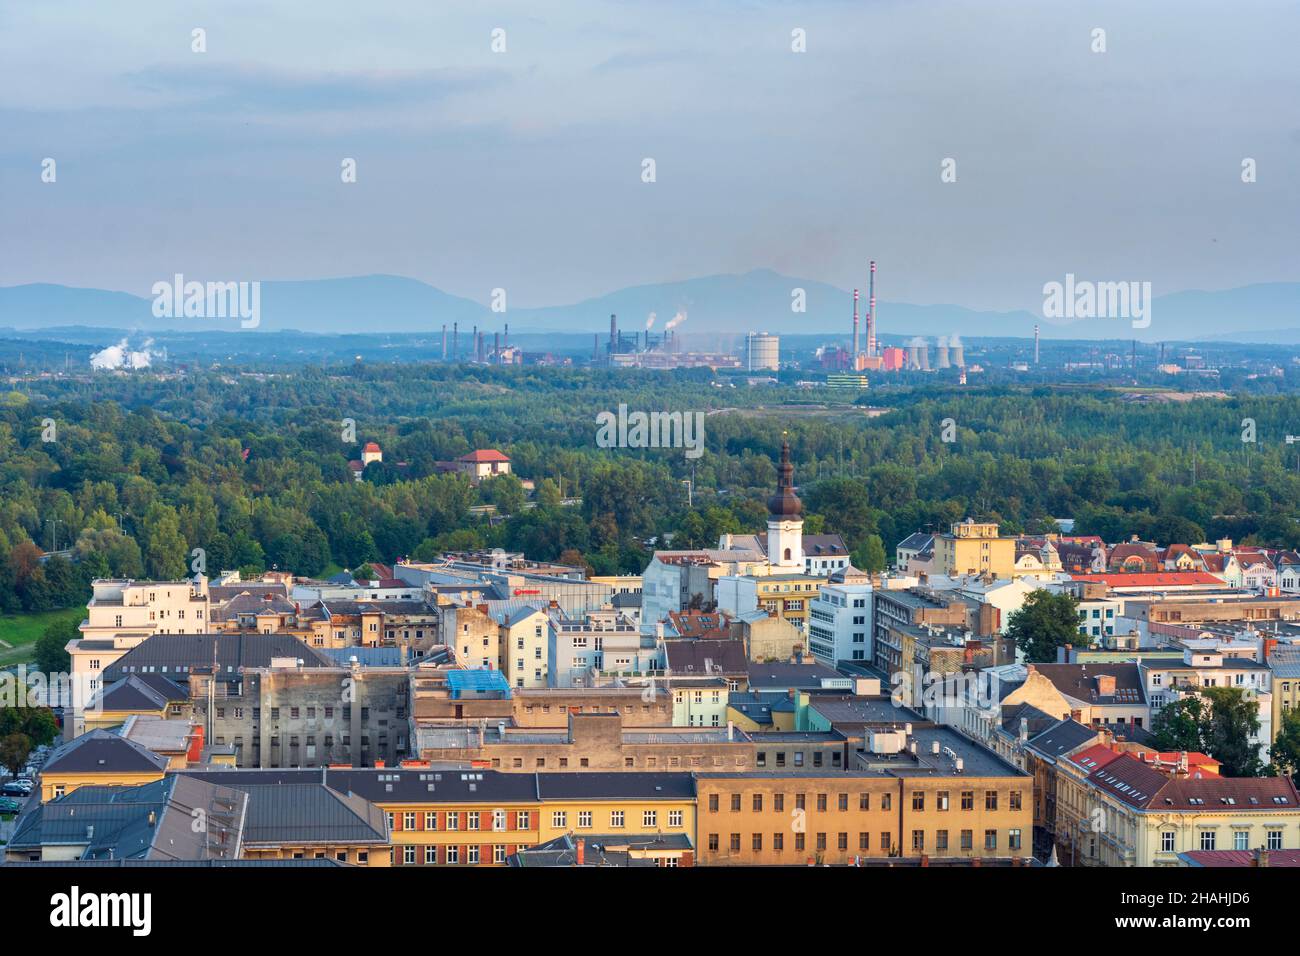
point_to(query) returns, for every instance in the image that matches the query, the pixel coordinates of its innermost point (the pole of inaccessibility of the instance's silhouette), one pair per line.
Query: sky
(523, 169)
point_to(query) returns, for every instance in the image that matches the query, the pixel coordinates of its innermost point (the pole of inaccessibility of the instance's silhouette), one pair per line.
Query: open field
(20, 631)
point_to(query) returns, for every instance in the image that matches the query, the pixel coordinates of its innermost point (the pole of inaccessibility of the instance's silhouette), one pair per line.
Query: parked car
(8, 805)
(14, 790)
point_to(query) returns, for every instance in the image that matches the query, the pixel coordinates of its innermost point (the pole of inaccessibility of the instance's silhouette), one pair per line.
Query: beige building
(472, 634)
(1124, 812)
(135, 610)
(974, 548)
(524, 647)
(1092, 694)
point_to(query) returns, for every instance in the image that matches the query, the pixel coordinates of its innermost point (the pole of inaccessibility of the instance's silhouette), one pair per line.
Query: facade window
(559, 819)
(1167, 841)
(990, 839)
(650, 818)
(674, 818)
(1207, 839)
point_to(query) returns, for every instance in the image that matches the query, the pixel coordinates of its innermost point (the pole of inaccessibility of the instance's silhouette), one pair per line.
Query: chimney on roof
(581, 856)
(1260, 858)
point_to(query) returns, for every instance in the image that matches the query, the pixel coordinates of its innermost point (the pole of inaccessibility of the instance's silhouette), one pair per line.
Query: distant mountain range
(719, 306)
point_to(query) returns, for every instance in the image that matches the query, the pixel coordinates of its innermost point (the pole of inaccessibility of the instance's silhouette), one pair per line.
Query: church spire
(785, 503)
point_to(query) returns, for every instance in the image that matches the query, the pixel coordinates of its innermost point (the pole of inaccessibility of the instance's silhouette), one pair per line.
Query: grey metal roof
(690, 656)
(105, 752)
(366, 656)
(178, 654)
(154, 821)
(141, 692)
(785, 675)
(1060, 739)
(630, 785)
(310, 813)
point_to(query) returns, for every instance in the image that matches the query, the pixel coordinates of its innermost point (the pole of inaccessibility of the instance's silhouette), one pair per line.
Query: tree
(1043, 623)
(548, 493)
(1233, 721)
(165, 550)
(14, 751)
(1179, 725)
(1286, 745)
(871, 556)
(51, 655)
(507, 493)
(1218, 721)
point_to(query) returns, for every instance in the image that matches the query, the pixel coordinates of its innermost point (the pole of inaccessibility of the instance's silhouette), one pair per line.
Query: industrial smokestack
(444, 341)
(506, 337)
(455, 341)
(1035, 343)
(871, 311)
(613, 333)
(855, 327)
(496, 345)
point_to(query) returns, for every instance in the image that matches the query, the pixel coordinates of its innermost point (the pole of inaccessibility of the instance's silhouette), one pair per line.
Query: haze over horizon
(522, 170)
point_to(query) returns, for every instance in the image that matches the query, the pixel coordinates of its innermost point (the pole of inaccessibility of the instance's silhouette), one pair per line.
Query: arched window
(787, 554)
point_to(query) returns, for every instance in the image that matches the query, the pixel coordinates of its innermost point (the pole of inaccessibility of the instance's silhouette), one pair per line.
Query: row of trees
(251, 469)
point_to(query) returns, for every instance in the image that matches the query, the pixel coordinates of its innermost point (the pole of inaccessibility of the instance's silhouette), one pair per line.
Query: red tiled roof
(371, 446)
(1232, 858)
(1098, 755)
(483, 455)
(1137, 784)
(1156, 579)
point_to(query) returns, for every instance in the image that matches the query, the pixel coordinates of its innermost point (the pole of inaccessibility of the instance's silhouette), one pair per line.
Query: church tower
(785, 520)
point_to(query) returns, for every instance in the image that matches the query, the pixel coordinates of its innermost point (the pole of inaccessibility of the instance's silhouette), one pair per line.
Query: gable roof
(483, 456)
(153, 821)
(102, 751)
(916, 541)
(140, 692)
(310, 813)
(1139, 785)
(1079, 681)
(1065, 736)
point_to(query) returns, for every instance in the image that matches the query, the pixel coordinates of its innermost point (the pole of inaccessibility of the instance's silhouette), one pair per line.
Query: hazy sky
(523, 169)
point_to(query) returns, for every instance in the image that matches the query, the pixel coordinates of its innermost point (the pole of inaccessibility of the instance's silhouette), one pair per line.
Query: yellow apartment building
(974, 548)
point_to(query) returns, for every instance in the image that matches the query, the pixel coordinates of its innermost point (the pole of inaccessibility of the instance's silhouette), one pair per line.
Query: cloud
(252, 87)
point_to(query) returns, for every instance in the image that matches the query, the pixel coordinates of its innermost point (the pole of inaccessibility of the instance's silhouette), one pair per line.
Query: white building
(580, 649)
(1205, 665)
(839, 618)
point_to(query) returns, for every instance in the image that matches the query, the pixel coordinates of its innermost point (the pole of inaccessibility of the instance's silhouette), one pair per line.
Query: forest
(127, 474)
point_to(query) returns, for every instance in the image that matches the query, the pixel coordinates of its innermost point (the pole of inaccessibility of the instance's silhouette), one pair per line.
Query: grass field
(20, 631)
